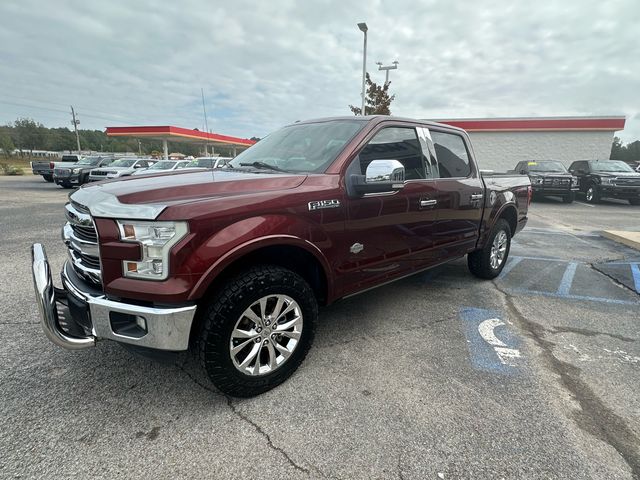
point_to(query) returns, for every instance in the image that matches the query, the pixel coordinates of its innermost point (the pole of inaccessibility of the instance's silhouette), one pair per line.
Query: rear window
(453, 158)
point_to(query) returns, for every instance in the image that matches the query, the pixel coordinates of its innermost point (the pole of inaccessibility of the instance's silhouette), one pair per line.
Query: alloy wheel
(266, 334)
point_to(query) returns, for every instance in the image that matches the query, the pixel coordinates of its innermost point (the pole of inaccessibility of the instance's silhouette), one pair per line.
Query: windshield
(89, 161)
(310, 147)
(165, 165)
(610, 166)
(202, 162)
(123, 163)
(556, 167)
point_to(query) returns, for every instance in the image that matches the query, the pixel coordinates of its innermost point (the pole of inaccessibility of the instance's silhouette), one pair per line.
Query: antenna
(206, 123)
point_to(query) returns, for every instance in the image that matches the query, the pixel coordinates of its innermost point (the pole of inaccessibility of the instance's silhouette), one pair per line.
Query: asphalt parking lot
(533, 375)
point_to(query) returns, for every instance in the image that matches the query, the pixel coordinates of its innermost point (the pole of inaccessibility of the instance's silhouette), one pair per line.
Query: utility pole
(75, 127)
(363, 28)
(387, 68)
(139, 148)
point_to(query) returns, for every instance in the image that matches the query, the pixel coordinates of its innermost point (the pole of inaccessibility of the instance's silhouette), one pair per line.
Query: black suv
(78, 173)
(549, 177)
(607, 178)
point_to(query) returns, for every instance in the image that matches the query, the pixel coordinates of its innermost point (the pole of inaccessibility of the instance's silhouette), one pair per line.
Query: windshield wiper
(262, 165)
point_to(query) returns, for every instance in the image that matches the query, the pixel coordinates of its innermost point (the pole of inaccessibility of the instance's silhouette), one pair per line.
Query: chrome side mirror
(381, 176)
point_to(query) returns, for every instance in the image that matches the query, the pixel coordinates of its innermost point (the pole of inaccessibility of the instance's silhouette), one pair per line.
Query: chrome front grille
(88, 234)
(627, 182)
(557, 181)
(80, 237)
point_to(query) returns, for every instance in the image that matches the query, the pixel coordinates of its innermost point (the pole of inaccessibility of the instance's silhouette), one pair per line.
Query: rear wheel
(489, 262)
(592, 194)
(48, 178)
(634, 201)
(569, 198)
(257, 330)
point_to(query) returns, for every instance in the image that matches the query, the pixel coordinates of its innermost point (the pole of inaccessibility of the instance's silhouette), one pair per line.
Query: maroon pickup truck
(234, 263)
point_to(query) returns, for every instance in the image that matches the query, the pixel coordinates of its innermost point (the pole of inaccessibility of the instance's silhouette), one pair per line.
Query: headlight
(156, 240)
(76, 170)
(574, 180)
(538, 180)
(607, 181)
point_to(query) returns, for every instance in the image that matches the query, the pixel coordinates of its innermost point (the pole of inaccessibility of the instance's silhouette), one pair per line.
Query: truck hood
(629, 175)
(146, 196)
(551, 174)
(113, 169)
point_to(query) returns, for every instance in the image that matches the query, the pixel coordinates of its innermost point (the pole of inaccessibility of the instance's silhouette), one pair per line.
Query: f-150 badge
(318, 204)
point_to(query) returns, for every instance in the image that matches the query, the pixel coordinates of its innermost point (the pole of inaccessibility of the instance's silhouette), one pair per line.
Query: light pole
(363, 28)
(387, 68)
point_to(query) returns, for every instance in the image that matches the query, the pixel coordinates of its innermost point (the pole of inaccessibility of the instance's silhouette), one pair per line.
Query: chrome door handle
(428, 203)
(477, 196)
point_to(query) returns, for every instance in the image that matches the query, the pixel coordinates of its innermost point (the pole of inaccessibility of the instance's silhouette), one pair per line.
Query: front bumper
(549, 190)
(615, 191)
(93, 317)
(73, 179)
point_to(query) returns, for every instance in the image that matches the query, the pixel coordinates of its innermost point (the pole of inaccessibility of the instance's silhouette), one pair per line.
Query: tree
(28, 133)
(377, 99)
(6, 144)
(616, 149)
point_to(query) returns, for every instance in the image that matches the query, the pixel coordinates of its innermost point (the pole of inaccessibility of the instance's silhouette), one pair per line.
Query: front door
(388, 235)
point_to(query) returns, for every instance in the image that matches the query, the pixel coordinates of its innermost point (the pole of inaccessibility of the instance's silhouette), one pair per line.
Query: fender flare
(246, 248)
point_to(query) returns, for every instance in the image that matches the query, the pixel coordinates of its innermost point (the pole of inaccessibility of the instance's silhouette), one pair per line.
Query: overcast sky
(265, 64)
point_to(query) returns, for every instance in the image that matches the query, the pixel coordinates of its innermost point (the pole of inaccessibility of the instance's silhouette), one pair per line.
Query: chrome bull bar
(46, 300)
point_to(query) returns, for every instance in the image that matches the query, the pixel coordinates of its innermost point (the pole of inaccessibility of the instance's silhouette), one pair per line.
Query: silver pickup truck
(46, 167)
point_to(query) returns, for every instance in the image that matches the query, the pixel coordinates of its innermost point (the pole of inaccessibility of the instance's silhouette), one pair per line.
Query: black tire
(634, 201)
(569, 198)
(592, 195)
(479, 262)
(48, 178)
(227, 308)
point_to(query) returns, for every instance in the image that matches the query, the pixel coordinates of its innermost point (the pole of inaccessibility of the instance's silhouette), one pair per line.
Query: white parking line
(587, 204)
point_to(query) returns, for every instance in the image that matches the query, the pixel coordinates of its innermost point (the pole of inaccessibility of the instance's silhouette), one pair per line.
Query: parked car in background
(209, 162)
(120, 168)
(549, 177)
(163, 166)
(76, 174)
(46, 167)
(234, 265)
(607, 178)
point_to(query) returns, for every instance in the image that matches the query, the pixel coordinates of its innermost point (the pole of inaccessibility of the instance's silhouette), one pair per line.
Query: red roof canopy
(537, 124)
(177, 134)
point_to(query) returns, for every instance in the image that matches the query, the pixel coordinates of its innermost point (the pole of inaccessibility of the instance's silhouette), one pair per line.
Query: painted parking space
(492, 343)
(572, 280)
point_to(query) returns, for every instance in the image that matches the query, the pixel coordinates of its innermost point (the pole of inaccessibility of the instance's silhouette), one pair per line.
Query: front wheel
(488, 262)
(569, 198)
(592, 194)
(257, 330)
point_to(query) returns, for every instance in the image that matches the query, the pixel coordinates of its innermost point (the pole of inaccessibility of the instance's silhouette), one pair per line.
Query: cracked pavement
(396, 385)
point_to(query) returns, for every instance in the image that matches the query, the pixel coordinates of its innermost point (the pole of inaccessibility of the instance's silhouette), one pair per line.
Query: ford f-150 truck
(549, 177)
(233, 263)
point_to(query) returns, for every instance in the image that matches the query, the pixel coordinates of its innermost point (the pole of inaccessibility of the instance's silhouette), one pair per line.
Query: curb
(630, 239)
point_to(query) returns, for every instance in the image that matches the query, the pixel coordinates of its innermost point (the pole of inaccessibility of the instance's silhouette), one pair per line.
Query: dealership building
(500, 143)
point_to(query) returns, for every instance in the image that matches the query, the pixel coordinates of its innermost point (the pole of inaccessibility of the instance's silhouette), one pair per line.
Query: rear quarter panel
(504, 192)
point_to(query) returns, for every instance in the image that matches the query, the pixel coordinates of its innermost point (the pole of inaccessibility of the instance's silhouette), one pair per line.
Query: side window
(453, 159)
(396, 143)
(142, 164)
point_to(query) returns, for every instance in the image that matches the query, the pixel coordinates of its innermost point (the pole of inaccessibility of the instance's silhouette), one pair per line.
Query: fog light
(142, 323)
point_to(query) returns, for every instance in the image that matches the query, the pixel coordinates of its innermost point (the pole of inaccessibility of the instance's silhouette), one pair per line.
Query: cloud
(265, 64)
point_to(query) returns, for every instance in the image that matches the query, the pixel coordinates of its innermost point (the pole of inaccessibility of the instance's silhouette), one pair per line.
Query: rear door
(460, 195)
